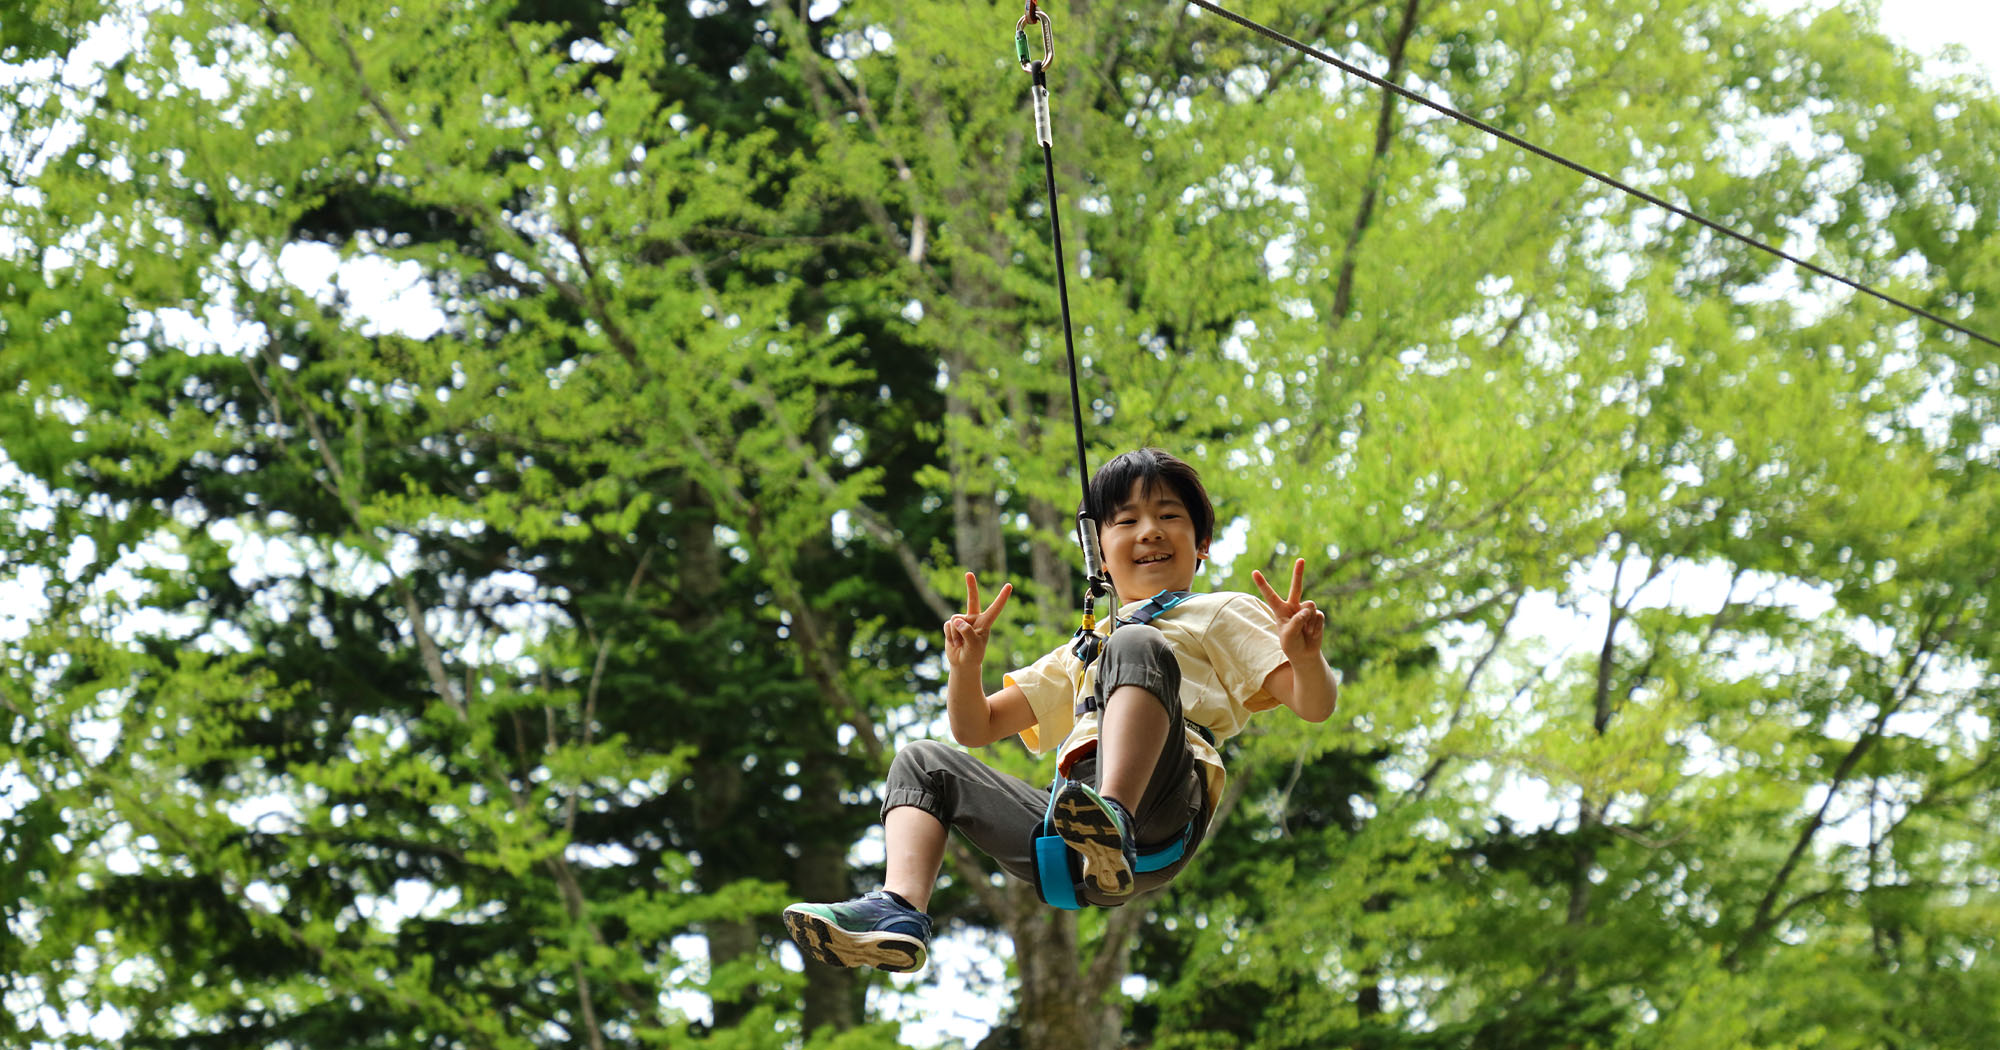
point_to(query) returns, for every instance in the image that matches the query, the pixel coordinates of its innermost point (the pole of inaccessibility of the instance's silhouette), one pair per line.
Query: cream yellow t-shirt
(1227, 644)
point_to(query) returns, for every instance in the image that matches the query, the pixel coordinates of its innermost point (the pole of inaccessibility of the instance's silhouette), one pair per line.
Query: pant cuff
(917, 797)
(1148, 678)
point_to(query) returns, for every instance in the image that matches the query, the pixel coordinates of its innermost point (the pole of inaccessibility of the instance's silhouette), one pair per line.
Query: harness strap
(1144, 614)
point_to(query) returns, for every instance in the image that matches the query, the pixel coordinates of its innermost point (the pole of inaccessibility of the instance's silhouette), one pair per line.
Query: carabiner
(1048, 39)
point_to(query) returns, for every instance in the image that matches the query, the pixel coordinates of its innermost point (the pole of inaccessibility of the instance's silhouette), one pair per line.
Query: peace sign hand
(965, 634)
(1301, 626)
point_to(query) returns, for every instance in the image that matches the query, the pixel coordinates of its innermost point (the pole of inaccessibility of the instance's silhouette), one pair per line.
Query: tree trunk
(832, 996)
(1045, 955)
(1062, 1005)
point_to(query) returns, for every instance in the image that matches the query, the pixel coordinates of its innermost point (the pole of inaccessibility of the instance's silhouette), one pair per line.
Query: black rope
(1098, 580)
(1062, 292)
(1515, 140)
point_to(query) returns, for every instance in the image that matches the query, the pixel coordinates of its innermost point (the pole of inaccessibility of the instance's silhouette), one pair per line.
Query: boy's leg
(1135, 788)
(1140, 747)
(1131, 733)
(995, 811)
(931, 787)
(915, 843)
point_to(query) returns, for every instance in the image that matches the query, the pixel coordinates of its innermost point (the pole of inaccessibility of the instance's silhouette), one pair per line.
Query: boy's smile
(1149, 544)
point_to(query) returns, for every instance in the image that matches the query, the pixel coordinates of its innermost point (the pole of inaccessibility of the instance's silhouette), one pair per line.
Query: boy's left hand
(1301, 626)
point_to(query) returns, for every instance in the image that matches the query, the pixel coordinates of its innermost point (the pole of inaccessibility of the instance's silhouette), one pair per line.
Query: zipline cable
(1581, 169)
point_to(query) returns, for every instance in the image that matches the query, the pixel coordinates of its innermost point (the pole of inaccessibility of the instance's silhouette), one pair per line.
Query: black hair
(1113, 483)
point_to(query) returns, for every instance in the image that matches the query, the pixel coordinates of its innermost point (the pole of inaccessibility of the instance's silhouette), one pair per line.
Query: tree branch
(1766, 915)
(913, 249)
(871, 522)
(1343, 295)
(1423, 785)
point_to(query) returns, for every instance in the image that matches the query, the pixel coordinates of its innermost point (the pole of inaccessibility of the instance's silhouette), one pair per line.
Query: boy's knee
(1139, 641)
(916, 779)
(1138, 655)
(919, 757)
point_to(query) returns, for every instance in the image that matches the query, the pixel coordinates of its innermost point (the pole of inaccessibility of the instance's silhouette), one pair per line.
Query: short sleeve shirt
(1226, 643)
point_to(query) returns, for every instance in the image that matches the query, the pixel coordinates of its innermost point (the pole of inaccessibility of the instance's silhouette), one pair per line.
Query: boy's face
(1149, 544)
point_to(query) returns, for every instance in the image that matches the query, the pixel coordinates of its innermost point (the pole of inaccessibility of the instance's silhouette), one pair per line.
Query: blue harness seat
(1059, 869)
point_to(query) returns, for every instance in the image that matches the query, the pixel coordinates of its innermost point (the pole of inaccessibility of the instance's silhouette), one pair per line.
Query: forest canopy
(482, 482)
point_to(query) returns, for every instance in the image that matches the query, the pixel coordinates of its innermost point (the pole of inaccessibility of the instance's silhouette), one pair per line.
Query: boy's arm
(1305, 683)
(1311, 694)
(977, 719)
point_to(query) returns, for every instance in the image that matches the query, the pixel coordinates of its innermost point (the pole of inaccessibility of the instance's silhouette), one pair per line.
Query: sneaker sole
(820, 940)
(1086, 828)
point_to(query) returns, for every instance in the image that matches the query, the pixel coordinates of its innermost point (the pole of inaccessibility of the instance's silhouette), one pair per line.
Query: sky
(956, 998)
(1929, 26)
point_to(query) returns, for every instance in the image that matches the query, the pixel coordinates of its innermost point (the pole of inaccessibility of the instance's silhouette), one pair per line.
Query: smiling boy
(1141, 766)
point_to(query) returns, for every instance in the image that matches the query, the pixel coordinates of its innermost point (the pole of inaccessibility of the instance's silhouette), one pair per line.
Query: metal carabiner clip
(1048, 39)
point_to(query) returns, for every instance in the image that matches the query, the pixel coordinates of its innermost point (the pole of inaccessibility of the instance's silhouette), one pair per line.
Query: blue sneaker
(874, 930)
(1100, 830)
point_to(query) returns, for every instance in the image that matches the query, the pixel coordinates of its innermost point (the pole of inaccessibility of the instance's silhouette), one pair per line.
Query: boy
(1142, 772)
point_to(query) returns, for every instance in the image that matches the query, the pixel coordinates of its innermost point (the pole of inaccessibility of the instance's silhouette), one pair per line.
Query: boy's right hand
(965, 634)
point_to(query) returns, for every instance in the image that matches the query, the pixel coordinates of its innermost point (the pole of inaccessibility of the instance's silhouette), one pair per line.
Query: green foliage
(486, 664)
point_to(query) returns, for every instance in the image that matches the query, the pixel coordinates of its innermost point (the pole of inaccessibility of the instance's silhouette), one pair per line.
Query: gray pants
(999, 812)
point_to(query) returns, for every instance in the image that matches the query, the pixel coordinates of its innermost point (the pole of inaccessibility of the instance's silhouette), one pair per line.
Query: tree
(481, 545)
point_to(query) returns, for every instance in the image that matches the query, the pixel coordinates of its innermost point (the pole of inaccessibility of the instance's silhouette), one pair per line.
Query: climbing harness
(1059, 869)
(1145, 614)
